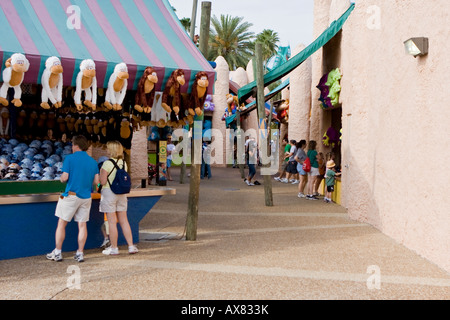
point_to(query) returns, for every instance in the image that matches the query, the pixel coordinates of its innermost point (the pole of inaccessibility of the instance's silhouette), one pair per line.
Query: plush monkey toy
(16, 66)
(199, 93)
(117, 87)
(146, 91)
(87, 82)
(52, 83)
(171, 97)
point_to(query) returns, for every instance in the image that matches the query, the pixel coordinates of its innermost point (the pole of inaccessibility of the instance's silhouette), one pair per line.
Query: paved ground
(297, 249)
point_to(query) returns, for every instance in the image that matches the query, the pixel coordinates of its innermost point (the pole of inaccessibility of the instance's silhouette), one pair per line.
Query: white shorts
(72, 207)
(314, 172)
(111, 202)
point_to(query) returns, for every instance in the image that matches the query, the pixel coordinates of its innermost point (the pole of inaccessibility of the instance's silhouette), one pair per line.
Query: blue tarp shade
(299, 58)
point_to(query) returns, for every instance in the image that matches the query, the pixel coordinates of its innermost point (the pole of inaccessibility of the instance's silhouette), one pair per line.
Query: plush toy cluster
(330, 88)
(39, 160)
(100, 115)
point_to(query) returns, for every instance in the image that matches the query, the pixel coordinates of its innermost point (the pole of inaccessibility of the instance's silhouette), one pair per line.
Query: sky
(277, 15)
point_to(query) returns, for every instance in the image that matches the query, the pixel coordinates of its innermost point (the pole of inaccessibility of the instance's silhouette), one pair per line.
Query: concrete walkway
(297, 249)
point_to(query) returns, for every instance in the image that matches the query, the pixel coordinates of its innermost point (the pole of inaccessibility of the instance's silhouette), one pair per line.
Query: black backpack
(122, 181)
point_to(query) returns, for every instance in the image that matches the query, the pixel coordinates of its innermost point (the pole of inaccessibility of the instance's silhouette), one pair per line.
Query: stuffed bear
(117, 87)
(232, 102)
(283, 111)
(171, 97)
(87, 82)
(52, 83)
(146, 91)
(199, 93)
(13, 75)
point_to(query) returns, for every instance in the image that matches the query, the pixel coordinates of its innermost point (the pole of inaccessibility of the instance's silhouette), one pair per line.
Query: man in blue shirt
(80, 171)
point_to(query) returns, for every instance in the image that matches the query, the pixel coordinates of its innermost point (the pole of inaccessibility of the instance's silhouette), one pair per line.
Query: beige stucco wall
(300, 99)
(221, 88)
(395, 121)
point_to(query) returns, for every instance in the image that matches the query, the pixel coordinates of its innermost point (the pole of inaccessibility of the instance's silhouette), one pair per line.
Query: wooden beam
(260, 101)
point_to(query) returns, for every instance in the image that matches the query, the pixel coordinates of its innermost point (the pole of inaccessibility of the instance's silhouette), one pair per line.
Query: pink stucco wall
(396, 121)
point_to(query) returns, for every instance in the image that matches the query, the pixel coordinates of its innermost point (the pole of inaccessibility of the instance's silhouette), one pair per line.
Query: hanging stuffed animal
(171, 97)
(146, 91)
(199, 88)
(13, 75)
(117, 87)
(123, 125)
(52, 83)
(232, 102)
(4, 123)
(87, 82)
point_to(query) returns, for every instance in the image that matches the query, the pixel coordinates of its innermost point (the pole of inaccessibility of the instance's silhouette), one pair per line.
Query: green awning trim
(294, 62)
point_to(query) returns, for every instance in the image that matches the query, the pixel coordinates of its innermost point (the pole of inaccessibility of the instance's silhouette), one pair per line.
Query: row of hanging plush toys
(183, 109)
(98, 124)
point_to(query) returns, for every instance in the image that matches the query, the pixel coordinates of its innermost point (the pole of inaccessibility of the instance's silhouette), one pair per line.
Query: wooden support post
(262, 118)
(193, 18)
(238, 143)
(194, 186)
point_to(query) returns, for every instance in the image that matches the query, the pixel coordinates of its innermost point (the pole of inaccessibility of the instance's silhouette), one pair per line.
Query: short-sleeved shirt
(287, 149)
(293, 150)
(301, 155)
(82, 170)
(108, 166)
(312, 155)
(329, 177)
(171, 148)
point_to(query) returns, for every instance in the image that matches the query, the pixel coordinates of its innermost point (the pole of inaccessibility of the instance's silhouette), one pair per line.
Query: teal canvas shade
(299, 58)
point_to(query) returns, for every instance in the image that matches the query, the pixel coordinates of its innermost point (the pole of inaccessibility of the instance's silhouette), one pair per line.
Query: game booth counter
(104, 79)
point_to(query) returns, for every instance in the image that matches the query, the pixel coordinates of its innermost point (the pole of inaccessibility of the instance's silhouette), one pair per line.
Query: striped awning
(140, 33)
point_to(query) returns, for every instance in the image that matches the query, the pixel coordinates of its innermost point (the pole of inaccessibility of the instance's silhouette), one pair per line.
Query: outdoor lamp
(416, 46)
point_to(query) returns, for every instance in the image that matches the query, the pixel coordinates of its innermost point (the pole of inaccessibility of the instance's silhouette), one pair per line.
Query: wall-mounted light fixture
(416, 46)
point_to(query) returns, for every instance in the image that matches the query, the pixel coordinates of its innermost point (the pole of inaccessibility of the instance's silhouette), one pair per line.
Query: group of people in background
(322, 167)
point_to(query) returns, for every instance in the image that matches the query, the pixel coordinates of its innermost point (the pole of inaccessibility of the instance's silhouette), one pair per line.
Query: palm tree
(186, 23)
(268, 39)
(230, 38)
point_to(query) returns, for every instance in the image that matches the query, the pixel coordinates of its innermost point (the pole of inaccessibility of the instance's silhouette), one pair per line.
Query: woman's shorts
(72, 207)
(111, 202)
(292, 167)
(314, 172)
(300, 169)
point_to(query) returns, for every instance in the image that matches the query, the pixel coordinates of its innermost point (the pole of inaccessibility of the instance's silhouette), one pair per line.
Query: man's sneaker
(277, 178)
(251, 184)
(247, 182)
(110, 251)
(79, 257)
(284, 180)
(132, 249)
(316, 194)
(310, 197)
(295, 182)
(55, 257)
(301, 195)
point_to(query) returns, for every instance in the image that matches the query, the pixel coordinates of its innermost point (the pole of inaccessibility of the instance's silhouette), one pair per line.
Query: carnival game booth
(96, 68)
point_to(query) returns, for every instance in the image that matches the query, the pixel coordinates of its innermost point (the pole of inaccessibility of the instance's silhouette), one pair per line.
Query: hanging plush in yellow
(52, 83)
(13, 75)
(87, 82)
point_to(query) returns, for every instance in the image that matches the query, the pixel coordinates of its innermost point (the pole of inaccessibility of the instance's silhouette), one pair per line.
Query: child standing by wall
(330, 176)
